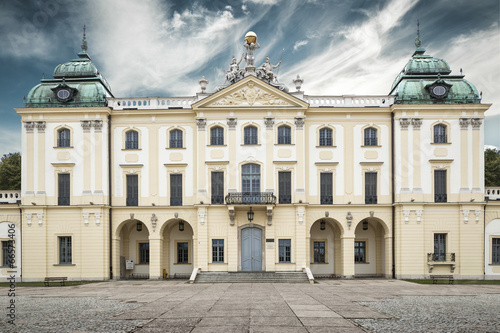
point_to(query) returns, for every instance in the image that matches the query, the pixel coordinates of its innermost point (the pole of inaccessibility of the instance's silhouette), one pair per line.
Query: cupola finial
(84, 40)
(418, 42)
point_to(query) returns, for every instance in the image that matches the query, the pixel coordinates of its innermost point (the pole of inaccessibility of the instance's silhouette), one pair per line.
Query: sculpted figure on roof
(234, 73)
(265, 71)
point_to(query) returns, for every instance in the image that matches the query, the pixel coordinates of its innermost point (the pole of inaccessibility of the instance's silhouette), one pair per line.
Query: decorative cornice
(30, 126)
(416, 123)
(404, 123)
(464, 123)
(476, 123)
(202, 123)
(299, 122)
(97, 124)
(269, 123)
(86, 125)
(40, 126)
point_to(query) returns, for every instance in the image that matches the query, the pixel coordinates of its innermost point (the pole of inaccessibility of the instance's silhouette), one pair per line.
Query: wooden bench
(61, 280)
(435, 278)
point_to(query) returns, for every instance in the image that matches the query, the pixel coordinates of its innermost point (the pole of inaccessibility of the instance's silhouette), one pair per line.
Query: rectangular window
(319, 252)
(143, 253)
(6, 245)
(175, 190)
(326, 181)
(64, 189)
(439, 247)
(65, 250)
(182, 253)
(285, 250)
(218, 250)
(370, 188)
(359, 252)
(440, 186)
(285, 187)
(495, 251)
(217, 188)
(132, 190)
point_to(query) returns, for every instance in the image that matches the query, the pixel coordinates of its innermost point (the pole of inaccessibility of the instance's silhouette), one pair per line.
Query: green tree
(10, 171)
(491, 167)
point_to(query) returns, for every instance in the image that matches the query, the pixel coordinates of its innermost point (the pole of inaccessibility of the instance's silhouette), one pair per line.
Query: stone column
(155, 256)
(115, 261)
(347, 249)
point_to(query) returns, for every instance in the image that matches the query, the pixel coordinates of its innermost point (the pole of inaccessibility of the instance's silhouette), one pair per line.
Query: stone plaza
(360, 305)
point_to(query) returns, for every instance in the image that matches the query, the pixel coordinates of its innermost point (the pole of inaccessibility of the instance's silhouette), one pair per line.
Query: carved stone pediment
(251, 95)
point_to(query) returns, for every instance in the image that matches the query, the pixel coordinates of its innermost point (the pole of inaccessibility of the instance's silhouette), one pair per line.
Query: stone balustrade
(349, 101)
(492, 193)
(10, 197)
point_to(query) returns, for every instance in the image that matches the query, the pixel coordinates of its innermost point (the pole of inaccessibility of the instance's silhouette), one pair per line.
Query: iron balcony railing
(175, 201)
(217, 199)
(440, 197)
(251, 198)
(63, 201)
(447, 257)
(370, 199)
(326, 200)
(285, 198)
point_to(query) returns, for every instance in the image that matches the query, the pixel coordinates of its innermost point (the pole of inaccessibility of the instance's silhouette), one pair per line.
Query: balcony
(440, 259)
(492, 193)
(10, 197)
(251, 198)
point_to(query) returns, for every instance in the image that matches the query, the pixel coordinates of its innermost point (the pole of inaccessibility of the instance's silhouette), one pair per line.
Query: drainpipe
(484, 239)
(110, 202)
(21, 238)
(393, 198)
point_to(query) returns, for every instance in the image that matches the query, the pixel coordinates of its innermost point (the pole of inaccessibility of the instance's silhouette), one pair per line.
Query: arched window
(440, 134)
(250, 135)
(370, 136)
(217, 136)
(132, 140)
(250, 183)
(63, 138)
(325, 137)
(176, 139)
(284, 135)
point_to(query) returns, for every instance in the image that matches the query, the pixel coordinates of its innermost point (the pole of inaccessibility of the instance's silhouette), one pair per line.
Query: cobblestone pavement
(328, 306)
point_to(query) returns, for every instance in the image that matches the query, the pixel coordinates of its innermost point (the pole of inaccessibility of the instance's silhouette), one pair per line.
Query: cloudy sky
(163, 47)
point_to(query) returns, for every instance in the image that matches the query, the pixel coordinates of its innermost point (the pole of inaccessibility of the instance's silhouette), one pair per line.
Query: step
(251, 277)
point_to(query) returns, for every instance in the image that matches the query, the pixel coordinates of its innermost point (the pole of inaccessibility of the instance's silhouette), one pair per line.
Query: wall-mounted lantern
(365, 225)
(181, 226)
(322, 225)
(139, 226)
(250, 215)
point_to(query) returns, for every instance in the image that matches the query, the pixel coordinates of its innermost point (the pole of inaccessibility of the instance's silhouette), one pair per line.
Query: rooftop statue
(234, 73)
(265, 71)
(251, 45)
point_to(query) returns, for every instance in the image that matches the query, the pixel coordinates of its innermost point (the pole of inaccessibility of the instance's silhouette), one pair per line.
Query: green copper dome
(428, 80)
(76, 83)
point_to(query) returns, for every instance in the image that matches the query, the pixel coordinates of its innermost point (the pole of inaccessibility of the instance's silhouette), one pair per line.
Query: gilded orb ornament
(251, 37)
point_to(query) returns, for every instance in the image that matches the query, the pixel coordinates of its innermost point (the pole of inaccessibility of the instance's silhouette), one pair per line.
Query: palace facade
(253, 177)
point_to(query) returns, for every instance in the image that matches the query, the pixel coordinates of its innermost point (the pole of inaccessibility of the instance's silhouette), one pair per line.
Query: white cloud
(351, 63)
(481, 67)
(148, 48)
(299, 44)
(263, 2)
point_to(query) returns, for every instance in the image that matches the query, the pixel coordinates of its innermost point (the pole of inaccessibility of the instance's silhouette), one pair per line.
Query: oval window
(439, 90)
(63, 94)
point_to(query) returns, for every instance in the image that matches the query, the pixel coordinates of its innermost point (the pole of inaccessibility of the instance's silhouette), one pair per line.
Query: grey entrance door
(251, 249)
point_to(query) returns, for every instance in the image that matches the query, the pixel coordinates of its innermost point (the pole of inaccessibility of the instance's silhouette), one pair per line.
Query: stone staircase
(251, 277)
